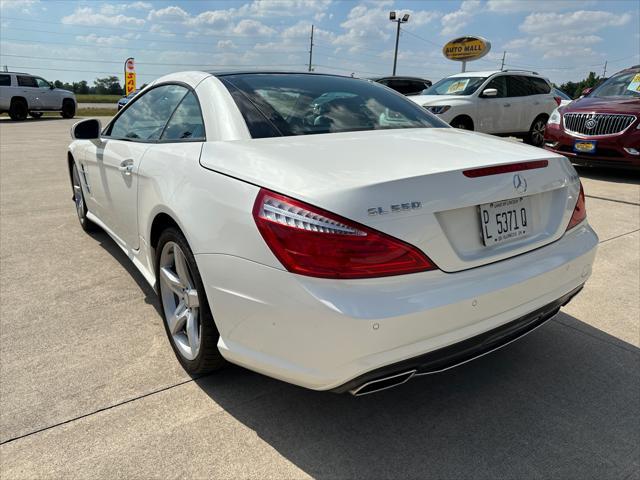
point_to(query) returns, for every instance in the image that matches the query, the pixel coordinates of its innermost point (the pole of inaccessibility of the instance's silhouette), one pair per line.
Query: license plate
(583, 146)
(505, 221)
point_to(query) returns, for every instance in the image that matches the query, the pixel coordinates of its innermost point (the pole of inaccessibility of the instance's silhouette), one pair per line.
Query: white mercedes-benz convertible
(327, 231)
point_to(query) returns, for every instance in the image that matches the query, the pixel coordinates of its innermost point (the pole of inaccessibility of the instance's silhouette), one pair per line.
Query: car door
(494, 114)
(520, 99)
(47, 96)
(117, 156)
(28, 88)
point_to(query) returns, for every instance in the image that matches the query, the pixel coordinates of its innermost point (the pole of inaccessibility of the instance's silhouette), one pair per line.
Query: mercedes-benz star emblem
(591, 123)
(519, 183)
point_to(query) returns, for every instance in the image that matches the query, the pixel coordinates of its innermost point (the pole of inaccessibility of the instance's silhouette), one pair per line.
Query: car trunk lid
(411, 184)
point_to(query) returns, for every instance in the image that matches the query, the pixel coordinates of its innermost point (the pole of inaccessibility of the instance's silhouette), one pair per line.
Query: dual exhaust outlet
(382, 383)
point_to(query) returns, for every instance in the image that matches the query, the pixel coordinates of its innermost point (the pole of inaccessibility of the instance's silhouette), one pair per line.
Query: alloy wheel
(180, 301)
(537, 133)
(78, 196)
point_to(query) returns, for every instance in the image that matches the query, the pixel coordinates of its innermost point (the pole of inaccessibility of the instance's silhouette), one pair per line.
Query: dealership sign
(465, 49)
(129, 76)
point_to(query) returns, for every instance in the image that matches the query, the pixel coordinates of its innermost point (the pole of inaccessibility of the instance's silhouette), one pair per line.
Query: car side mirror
(51, 87)
(587, 91)
(86, 129)
(490, 92)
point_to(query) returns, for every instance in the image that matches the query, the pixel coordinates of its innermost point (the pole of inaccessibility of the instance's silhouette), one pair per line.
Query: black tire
(208, 358)
(35, 114)
(535, 136)
(78, 199)
(463, 123)
(18, 110)
(68, 109)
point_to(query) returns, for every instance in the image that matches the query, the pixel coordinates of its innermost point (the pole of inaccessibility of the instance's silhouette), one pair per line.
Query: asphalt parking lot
(90, 387)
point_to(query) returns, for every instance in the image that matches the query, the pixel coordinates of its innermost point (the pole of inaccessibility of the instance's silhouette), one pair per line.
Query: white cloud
(86, 16)
(582, 21)
(115, 8)
(161, 30)
(422, 17)
(364, 25)
(557, 45)
(250, 27)
(283, 8)
(168, 14)
(107, 41)
(25, 6)
(529, 6)
(453, 22)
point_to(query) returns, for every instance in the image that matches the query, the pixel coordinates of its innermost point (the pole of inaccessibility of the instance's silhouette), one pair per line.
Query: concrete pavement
(90, 387)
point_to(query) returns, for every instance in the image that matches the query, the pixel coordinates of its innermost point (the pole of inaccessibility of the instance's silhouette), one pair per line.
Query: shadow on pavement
(610, 175)
(564, 402)
(106, 242)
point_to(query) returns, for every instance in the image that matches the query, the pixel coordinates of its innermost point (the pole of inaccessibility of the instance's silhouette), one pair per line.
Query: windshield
(626, 84)
(301, 104)
(455, 86)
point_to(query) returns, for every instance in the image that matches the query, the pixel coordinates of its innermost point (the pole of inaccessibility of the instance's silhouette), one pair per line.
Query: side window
(186, 122)
(539, 86)
(42, 83)
(26, 81)
(5, 80)
(146, 117)
(517, 86)
(500, 84)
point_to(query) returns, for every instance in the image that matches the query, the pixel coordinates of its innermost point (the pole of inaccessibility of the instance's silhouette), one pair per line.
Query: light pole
(398, 20)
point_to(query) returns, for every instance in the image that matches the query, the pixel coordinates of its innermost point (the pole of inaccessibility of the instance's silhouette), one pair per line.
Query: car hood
(318, 166)
(437, 99)
(62, 90)
(606, 105)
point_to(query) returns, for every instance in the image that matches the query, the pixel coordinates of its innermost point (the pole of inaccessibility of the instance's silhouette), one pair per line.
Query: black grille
(597, 123)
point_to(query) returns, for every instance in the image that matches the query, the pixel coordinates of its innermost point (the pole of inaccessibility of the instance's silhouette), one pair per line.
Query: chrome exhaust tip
(382, 383)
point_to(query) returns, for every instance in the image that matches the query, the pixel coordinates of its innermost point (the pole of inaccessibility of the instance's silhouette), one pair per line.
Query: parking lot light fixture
(398, 20)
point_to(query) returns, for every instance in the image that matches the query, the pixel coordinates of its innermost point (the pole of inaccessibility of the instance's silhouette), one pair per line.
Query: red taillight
(310, 241)
(579, 212)
(508, 168)
(558, 100)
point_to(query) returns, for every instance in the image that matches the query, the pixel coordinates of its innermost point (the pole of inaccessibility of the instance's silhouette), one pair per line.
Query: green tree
(574, 89)
(108, 86)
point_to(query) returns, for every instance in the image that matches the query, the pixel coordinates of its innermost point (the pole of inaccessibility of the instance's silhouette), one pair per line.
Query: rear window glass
(299, 104)
(5, 80)
(25, 81)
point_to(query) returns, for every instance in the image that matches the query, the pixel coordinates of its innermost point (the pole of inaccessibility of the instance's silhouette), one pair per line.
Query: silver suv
(22, 94)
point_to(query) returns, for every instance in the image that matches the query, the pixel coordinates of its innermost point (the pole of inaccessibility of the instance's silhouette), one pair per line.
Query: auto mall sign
(466, 49)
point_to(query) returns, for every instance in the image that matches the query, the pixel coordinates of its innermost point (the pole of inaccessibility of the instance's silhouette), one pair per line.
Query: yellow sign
(129, 82)
(464, 49)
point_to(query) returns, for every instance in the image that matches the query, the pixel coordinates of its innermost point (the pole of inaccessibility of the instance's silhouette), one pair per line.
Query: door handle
(507, 104)
(126, 167)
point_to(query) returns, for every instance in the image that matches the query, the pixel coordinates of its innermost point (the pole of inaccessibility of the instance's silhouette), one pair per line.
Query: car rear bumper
(458, 353)
(324, 334)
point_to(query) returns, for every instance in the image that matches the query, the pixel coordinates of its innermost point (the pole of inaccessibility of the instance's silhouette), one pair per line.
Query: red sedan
(602, 128)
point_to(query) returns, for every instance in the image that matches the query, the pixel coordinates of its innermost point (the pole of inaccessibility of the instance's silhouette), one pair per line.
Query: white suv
(508, 103)
(22, 94)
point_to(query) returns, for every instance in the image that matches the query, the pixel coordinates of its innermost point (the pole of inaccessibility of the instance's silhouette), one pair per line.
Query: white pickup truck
(22, 94)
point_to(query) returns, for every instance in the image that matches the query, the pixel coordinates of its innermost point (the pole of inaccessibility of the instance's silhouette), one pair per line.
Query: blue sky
(75, 40)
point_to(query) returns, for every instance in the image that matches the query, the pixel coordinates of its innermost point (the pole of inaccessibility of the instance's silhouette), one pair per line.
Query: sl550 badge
(396, 208)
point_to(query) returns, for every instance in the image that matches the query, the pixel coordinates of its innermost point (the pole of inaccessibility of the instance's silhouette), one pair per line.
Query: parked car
(562, 98)
(345, 239)
(602, 128)
(22, 94)
(124, 100)
(508, 103)
(405, 85)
